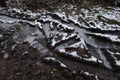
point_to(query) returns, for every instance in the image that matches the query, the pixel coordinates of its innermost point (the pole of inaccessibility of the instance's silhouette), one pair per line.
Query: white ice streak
(80, 44)
(38, 24)
(90, 18)
(113, 55)
(93, 59)
(55, 60)
(8, 20)
(65, 36)
(1, 35)
(61, 15)
(27, 12)
(112, 38)
(73, 54)
(89, 74)
(65, 27)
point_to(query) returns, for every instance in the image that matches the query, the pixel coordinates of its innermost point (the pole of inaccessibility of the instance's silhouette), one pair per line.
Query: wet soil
(70, 42)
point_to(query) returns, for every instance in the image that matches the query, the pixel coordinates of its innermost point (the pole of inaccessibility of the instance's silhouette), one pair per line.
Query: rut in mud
(83, 41)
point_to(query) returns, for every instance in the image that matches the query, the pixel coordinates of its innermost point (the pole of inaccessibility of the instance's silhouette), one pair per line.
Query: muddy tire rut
(54, 46)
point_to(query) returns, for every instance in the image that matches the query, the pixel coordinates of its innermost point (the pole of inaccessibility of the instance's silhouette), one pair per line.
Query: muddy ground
(67, 42)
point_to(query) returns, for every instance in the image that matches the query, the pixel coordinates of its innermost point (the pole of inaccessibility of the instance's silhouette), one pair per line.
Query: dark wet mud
(67, 43)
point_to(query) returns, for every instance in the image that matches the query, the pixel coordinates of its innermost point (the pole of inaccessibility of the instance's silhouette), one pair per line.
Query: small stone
(1, 36)
(6, 55)
(38, 63)
(52, 72)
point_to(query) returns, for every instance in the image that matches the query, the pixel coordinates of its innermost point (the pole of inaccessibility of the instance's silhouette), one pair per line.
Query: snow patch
(112, 38)
(64, 37)
(61, 15)
(1, 35)
(80, 44)
(115, 58)
(93, 59)
(56, 61)
(73, 54)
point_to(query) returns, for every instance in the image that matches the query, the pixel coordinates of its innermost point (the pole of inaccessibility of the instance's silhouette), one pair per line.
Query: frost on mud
(112, 38)
(67, 36)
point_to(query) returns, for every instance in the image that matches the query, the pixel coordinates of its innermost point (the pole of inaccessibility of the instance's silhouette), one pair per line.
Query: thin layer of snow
(28, 12)
(112, 38)
(38, 24)
(117, 61)
(1, 35)
(108, 14)
(64, 37)
(17, 10)
(89, 74)
(90, 18)
(64, 27)
(73, 54)
(61, 15)
(103, 57)
(55, 60)
(51, 25)
(8, 21)
(93, 59)
(60, 25)
(80, 44)
(74, 19)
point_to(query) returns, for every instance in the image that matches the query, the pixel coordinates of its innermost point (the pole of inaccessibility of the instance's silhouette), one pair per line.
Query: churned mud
(69, 42)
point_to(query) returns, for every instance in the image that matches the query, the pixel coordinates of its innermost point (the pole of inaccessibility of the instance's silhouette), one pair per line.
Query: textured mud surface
(67, 43)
